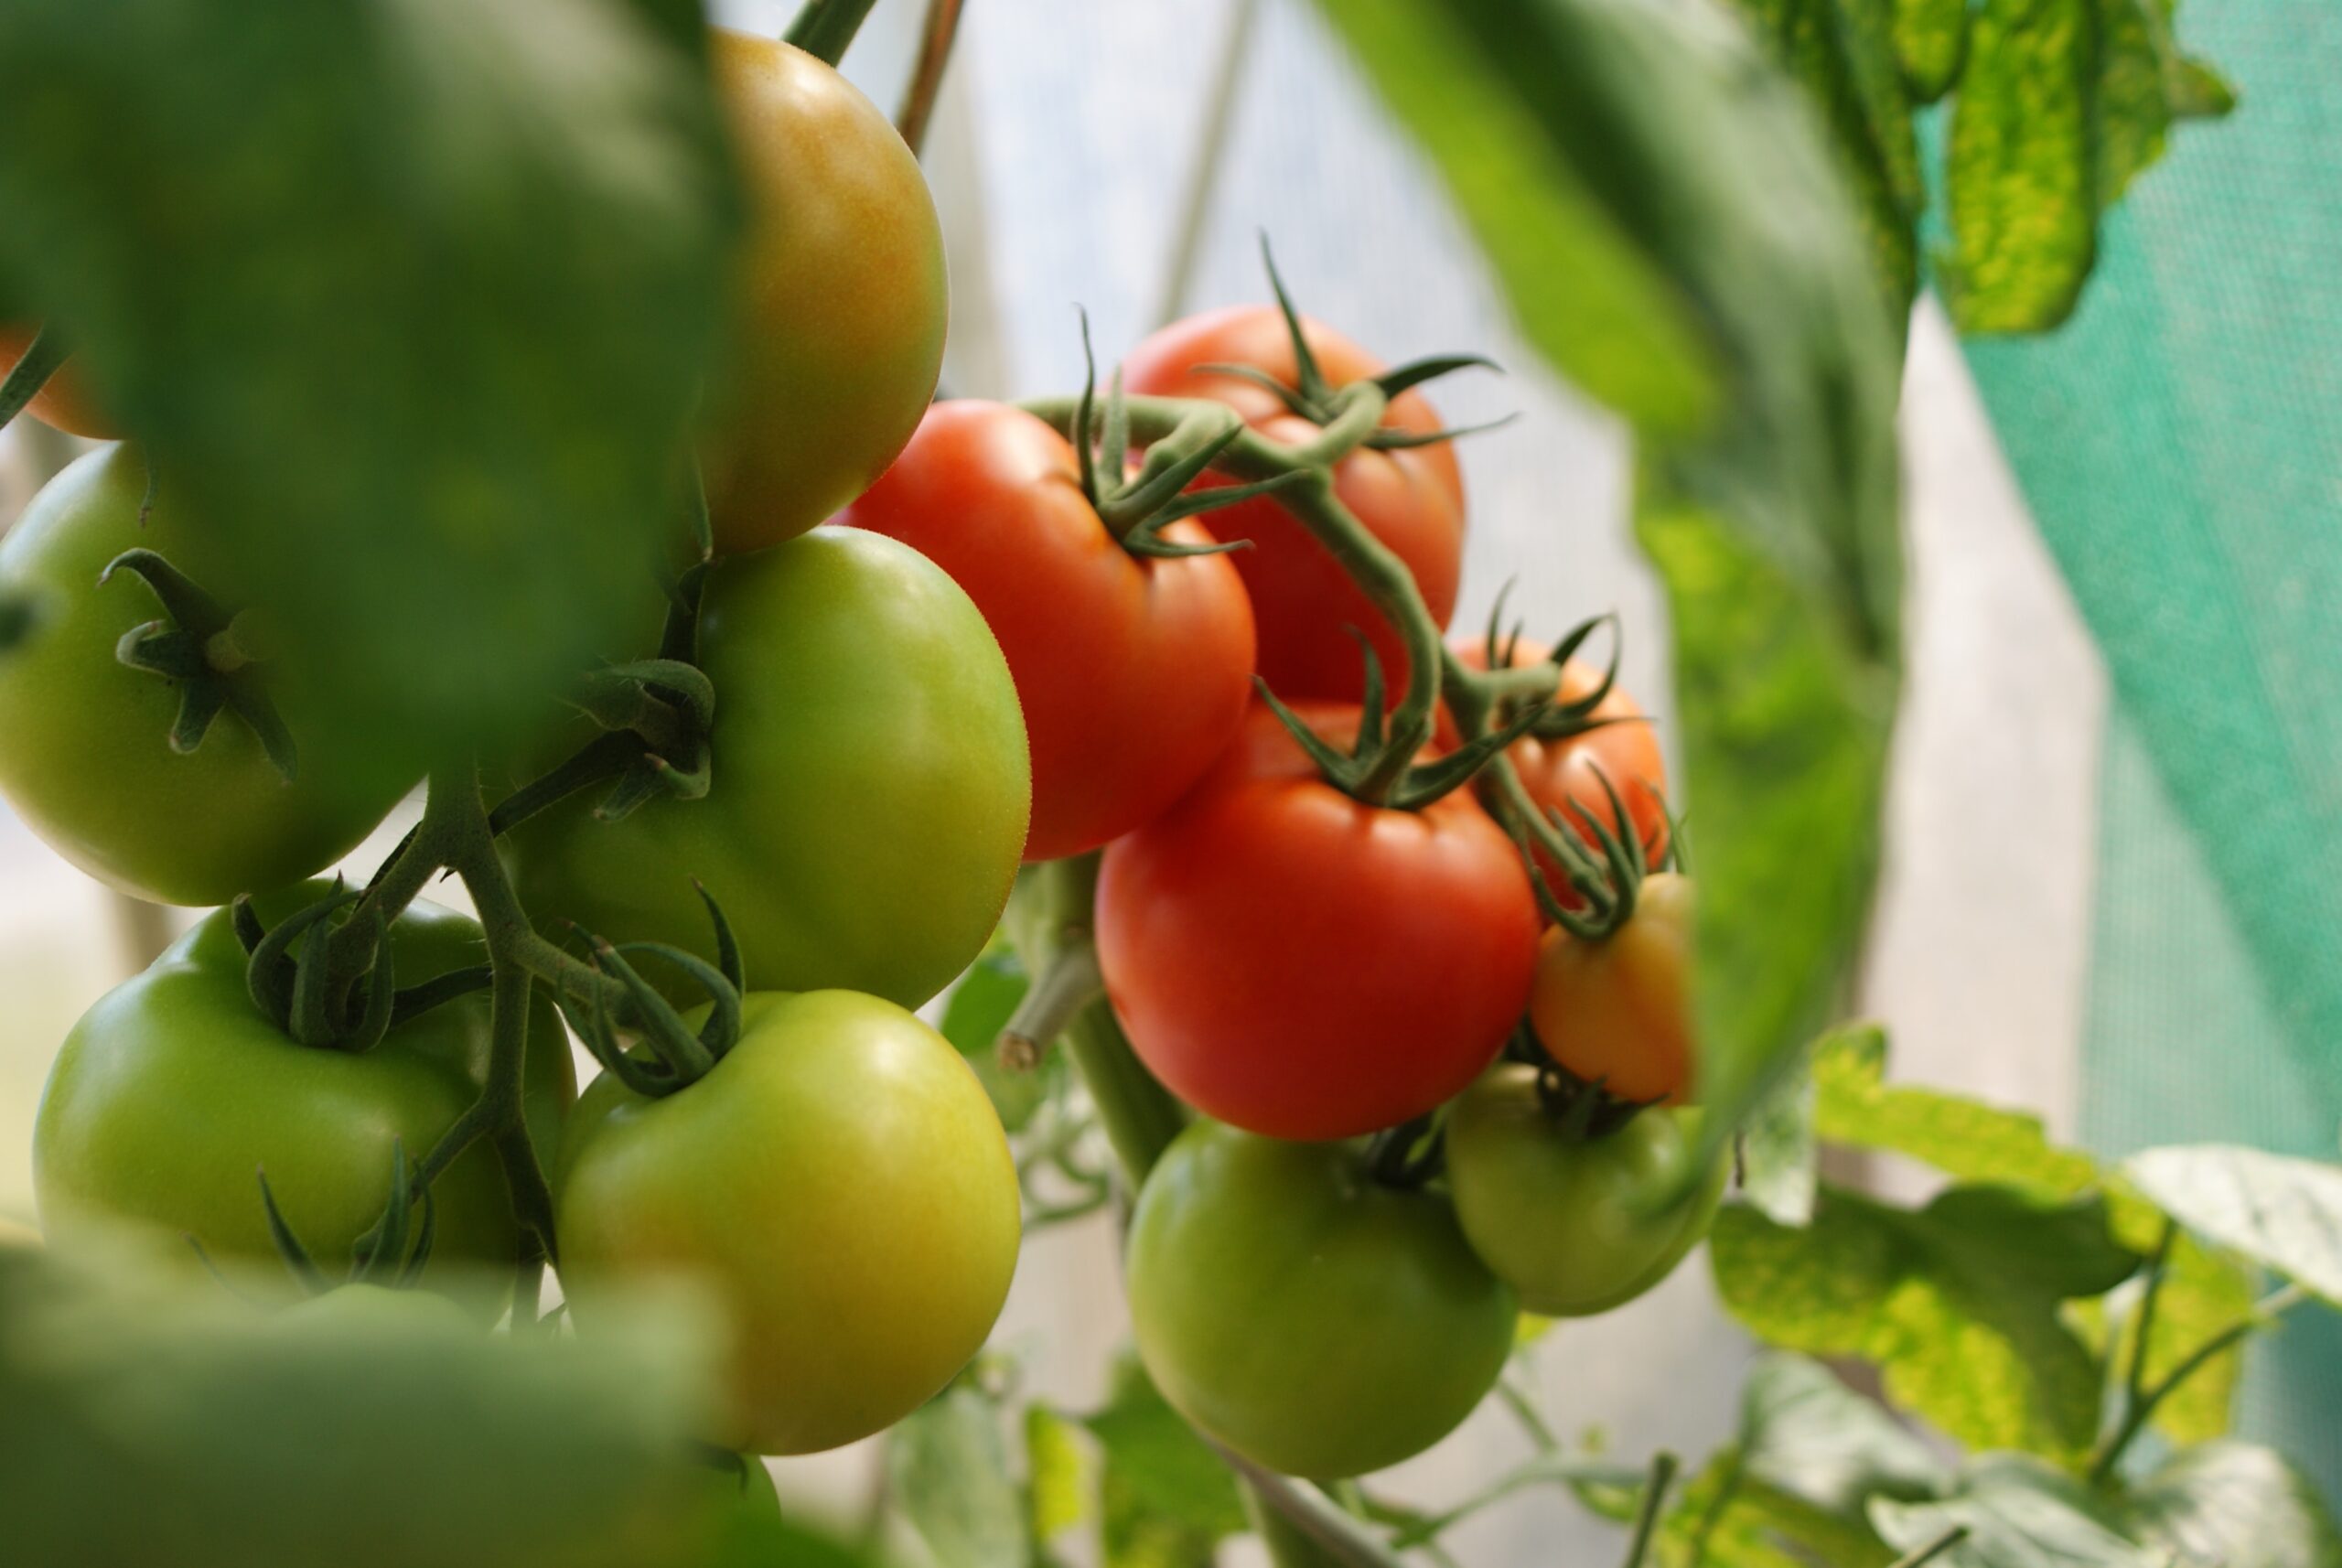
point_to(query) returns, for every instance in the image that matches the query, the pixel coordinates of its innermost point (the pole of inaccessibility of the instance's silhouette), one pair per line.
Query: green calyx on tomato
(173, 1088)
(840, 297)
(1285, 376)
(868, 783)
(839, 1188)
(1301, 964)
(1313, 1320)
(87, 754)
(1570, 1218)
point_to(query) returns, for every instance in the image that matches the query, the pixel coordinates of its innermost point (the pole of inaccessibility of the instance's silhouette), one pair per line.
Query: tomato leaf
(2282, 1213)
(1777, 1154)
(1060, 1475)
(947, 1468)
(250, 1437)
(1768, 483)
(1930, 45)
(2233, 1505)
(1167, 1498)
(1957, 1304)
(2019, 1513)
(1842, 53)
(410, 300)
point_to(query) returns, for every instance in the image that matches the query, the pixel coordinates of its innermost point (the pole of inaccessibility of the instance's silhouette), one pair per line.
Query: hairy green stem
(1662, 1476)
(30, 374)
(2142, 1409)
(936, 35)
(1919, 1556)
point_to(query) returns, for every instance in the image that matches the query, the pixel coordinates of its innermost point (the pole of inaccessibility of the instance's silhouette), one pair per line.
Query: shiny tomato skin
(1567, 1222)
(1311, 1318)
(1299, 964)
(1412, 500)
(173, 1090)
(841, 297)
(85, 754)
(1133, 672)
(1617, 1011)
(63, 402)
(1625, 748)
(840, 1187)
(869, 787)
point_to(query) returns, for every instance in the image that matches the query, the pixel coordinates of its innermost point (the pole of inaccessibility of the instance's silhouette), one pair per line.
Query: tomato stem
(824, 28)
(30, 374)
(2141, 1408)
(1663, 1466)
(936, 33)
(1071, 982)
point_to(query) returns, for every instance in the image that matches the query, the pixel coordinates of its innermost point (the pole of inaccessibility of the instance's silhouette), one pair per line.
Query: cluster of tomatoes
(1439, 1090)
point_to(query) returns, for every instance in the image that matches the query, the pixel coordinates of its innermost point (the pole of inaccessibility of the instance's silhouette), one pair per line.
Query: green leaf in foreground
(1930, 45)
(156, 1419)
(1646, 183)
(1956, 1303)
(2232, 1504)
(2281, 1212)
(949, 1468)
(2202, 1292)
(2019, 1513)
(409, 298)
(1167, 1499)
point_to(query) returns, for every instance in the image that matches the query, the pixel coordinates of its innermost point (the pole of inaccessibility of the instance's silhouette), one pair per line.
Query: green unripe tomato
(85, 754)
(839, 1185)
(174, 1089)
(869, 784)
(1567, 1221)
(1313, 1320)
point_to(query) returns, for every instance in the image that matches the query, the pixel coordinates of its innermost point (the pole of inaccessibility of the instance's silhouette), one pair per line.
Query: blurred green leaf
(154, 1419)
(980, 1006)
(1930, 45)
(410, 299)
(1957, 1304)
(1167, 1499)
(2282, 1213)
(948, 1470)
(2202, 1293)
(1805, 1433)
(1647, 188)
(2019, 1513)
(1842, 53)
(2061, 103)
(1060, 1476)
(2233, 1505)
(1778, 1153)
(777, 1543)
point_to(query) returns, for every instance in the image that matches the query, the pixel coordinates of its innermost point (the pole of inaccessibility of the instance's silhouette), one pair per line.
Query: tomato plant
(1133, 670)
(1313, 1320)
(1576, 1221)
(838, 1182)
(1615, 1011)
(62, 402)
(1299, 963)
(1411, 499)
(841, 297)
(86, 750)
(869, 784)
(174, 1089)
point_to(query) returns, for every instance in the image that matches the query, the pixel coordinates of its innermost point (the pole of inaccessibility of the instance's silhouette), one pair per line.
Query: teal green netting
(2180, 444)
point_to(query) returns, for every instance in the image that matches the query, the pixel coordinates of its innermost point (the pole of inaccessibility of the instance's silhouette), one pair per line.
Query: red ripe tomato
(1412, 500)
(1558, 772)
(64, 402)
(1302, 965)
(1133, 671)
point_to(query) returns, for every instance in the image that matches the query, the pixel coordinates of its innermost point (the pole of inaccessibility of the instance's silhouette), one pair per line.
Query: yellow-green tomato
(85, 752)
(1311, 1318)
(838, 1183)
(841, 303)
(869, 783)
(1569, 1222)
(173, 1090)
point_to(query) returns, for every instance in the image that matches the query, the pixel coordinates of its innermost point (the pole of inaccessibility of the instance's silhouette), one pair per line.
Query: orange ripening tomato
(1411, 499)
(64, 402)
(1133, 671)
(1302, 965)
(1617, 1012)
